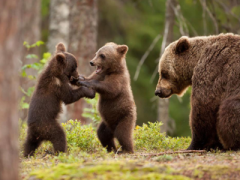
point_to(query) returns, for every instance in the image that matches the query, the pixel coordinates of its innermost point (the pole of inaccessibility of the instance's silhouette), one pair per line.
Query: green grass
(84, 139)
(86, 159)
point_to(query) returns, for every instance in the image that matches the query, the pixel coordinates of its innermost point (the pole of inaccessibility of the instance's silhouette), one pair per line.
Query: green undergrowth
(107, 171)
(132, 167)
(87, 159)
(84, 139)
(84, 147)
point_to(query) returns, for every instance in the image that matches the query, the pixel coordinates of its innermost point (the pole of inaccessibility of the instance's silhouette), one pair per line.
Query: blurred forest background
(146, 26)
(30, 30)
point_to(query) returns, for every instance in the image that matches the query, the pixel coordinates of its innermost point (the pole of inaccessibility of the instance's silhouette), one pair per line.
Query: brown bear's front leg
(203, 126)
(69, 95)
(102, 87)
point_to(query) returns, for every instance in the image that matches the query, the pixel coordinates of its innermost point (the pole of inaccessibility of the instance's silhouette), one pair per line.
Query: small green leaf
(31, 77)
(32, 56)
(46, 55)
(39, 43)
(23, 73)
(30, 91)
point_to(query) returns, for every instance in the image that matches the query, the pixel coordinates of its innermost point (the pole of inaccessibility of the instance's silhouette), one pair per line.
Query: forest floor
(87, 159)
(217, 165)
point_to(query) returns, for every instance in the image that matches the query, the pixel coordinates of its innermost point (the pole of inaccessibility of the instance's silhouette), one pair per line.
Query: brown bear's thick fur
(52, 89)
(116, 104)
(212, 66)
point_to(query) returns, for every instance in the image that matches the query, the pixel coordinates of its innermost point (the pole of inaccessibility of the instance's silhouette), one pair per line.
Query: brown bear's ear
(60, 48)
(61, 59)
(182, 45)
(122, 49)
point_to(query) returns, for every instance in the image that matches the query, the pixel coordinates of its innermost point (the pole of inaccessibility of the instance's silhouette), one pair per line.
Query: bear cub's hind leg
(124, 134)
(58, 139)
(106, 137)
(31, 144)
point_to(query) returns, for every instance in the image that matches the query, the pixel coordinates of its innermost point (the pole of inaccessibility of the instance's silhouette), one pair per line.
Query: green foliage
(92, 111)
(84, 138)
(148, 137)
(29, 46)
(23, 104)
(81, 137)
(37, 66)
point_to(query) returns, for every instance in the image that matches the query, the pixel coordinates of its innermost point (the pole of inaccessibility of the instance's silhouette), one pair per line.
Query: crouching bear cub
(212, 66)
(52, 89)
(116, 104)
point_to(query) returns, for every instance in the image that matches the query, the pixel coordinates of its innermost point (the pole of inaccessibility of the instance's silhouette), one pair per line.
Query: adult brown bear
(212, 66)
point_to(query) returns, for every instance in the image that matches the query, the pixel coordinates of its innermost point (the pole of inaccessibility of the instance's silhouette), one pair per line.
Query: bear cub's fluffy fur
(52, 89)
(116, 104)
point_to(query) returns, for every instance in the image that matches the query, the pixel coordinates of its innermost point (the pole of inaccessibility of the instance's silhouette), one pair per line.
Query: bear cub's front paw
(91, 93)
(74, 80)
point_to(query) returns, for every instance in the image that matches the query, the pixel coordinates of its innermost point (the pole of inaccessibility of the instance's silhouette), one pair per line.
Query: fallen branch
(173, 152)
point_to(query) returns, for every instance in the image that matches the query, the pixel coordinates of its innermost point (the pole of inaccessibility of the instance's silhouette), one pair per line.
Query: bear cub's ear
(122, 49)
(182, 45)
(60, 48)
(61, 58)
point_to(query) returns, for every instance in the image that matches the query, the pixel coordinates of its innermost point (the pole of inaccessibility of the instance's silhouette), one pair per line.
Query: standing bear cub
(212, 66)
(116, 104)
(52, 89)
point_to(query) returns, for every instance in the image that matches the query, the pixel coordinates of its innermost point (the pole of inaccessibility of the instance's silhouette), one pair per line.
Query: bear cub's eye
(164, 75)
(102, 56)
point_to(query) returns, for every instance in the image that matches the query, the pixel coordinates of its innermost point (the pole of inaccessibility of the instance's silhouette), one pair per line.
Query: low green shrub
(148, 137)
(84, 138)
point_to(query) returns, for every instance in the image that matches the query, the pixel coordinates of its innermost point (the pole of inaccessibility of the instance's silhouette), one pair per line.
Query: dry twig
(145, 56)
(173, 152)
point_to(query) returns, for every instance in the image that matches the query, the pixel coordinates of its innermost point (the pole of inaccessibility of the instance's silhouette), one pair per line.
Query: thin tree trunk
(59, 24)
(59, 32)
(82, 43)
(9, 82)
(30, 30)
(30, 26)
(163, 104)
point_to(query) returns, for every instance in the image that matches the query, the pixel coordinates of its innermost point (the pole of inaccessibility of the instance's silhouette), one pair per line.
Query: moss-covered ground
(86, 159)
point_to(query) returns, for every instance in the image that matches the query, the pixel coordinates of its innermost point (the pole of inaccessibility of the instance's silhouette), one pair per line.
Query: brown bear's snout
(158, 92)
(92, 64)
(163, 93)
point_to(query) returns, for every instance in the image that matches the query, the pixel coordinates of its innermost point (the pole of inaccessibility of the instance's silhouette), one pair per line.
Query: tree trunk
(9, 86)
(163, 104)
(30, 26)
(59, 24)
(82, 43)
(59, 32)
(30, 30)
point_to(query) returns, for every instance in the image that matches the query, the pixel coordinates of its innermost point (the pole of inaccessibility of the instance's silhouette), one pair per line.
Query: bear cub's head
(174, 69)
(66, 63)
(109, 58)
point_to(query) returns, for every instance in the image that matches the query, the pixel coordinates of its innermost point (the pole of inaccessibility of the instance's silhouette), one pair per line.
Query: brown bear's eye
(102, 56)
(164, 75)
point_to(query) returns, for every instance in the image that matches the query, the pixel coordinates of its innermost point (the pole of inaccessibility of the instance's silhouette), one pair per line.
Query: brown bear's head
(109, 58)
(174, 75)
(67, 62)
